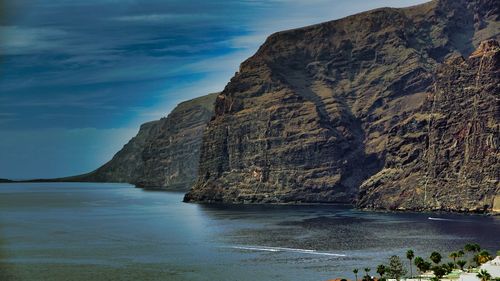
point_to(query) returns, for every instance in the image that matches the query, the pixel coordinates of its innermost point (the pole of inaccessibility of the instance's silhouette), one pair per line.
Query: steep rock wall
(308, 117)
(164, 154)
(446, 157)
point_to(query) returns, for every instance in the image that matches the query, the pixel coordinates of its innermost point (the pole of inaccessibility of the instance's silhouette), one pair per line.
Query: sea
(100, 231)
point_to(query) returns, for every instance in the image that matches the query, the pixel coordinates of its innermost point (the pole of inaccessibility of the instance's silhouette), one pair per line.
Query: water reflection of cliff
(341, 228)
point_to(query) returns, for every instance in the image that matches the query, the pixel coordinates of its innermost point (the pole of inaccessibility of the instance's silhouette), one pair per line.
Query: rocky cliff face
(446, 156)
(309, 117)
(172, 155)
(164, 154)
(127, 164)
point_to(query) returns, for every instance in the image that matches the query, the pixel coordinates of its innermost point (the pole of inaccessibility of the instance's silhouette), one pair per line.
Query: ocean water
(89, 231)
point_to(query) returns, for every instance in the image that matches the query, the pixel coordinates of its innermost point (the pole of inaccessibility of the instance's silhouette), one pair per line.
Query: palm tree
(454, 256)
(435, 257)
(418, 263)
(472, 248)
(449, 267)
(439, 271)
(381, 269)
(484, 275)
(469, 247)
(355, 271)
(426, 266)
(482, 257)
(410, 255)
(423, 266)
(461, 264)
(367, 276)
(460, 253)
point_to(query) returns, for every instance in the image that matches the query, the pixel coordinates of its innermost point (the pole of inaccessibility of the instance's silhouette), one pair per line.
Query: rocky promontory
(315, 114)
(164, 154)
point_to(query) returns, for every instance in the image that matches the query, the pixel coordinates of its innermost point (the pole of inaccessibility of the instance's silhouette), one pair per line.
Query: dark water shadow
(262, 211)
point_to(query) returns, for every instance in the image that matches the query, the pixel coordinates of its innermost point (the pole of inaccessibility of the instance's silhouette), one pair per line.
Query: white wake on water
(440, 219)
(282, 249)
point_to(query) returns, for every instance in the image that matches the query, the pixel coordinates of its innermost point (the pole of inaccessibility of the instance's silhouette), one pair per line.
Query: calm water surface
(68, 231)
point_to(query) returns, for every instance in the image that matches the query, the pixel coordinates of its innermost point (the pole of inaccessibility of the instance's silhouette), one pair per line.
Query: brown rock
(446, 157)
(164, 154)
(309, 117)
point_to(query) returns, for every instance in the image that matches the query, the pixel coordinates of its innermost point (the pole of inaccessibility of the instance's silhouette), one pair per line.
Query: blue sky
(78, 77)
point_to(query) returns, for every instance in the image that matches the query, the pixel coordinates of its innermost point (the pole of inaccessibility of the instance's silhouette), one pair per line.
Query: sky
(78, 77)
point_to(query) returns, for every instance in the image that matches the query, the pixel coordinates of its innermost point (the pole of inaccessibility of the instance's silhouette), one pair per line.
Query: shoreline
(160, 189)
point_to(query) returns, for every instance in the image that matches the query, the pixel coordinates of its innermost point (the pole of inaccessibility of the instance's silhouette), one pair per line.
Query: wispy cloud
(16, 40)
(7, 114)
(164, 18)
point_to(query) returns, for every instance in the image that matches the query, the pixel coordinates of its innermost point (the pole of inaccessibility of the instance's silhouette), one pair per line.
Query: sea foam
(283, 249)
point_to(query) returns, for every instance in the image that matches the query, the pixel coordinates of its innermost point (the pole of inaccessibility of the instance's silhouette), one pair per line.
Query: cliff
(164, 154)
(446, 157)
(311, 116)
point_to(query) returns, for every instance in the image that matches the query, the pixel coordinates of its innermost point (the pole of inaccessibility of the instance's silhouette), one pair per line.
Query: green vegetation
(482, 257)
(484, 275)
(410, 255)
(435, 257)
(422, 265)
(396, 268)
(461, 264)
(367, 276)
(381, 270)
(454, 256)
(435, 267)
(439, 271)
(472, 248)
